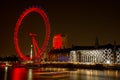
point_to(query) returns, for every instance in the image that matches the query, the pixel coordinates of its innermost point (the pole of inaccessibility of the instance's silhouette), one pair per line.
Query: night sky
(80, 20)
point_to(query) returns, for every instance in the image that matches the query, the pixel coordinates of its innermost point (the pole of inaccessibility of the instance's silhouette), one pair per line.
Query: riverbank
(82, 66)
(64, 65)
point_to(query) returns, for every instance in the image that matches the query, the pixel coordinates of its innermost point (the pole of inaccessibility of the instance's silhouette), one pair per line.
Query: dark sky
(80, 20)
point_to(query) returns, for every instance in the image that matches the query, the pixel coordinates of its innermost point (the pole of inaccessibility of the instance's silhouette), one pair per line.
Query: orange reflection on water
(116, 74)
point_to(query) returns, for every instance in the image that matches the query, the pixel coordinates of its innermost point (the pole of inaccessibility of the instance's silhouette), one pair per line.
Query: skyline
(80, 21)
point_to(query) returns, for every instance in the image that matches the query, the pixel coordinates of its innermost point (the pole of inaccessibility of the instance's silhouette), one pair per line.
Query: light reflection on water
(18, 74)
(85, 74)
(30, 77)
(5, 75)
(56, 73)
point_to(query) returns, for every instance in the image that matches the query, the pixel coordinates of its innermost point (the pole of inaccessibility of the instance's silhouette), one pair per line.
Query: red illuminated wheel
(18, 24)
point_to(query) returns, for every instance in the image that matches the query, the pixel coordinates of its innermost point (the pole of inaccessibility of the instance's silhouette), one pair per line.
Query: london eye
(37, 50)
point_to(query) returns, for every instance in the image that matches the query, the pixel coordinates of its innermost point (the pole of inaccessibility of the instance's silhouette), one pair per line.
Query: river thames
(21, 73)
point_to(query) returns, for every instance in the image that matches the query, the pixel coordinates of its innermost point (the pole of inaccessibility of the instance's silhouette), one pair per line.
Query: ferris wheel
(37, 51)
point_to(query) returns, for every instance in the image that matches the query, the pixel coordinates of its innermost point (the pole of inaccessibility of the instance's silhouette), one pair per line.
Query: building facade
(106, 54)
(59, 41)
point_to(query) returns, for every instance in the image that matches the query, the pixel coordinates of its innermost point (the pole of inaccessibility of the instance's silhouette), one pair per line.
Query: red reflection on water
(19, 74)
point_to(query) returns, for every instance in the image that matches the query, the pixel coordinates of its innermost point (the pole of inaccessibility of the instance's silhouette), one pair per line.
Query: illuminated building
(90, 55)
(103, 54)
(97, 54)
(59, 41)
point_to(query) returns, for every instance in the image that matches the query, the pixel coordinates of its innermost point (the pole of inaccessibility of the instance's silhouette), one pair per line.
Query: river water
(21, 73)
